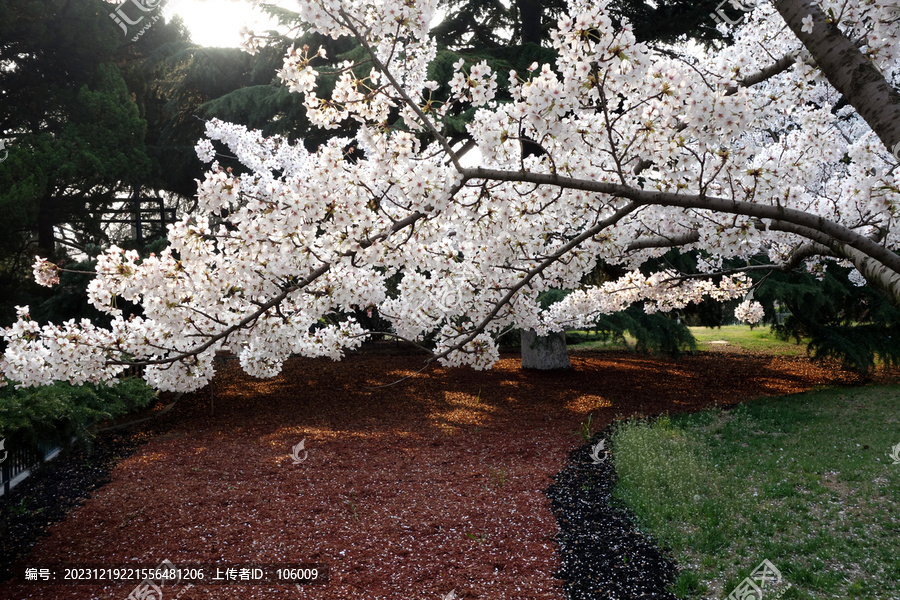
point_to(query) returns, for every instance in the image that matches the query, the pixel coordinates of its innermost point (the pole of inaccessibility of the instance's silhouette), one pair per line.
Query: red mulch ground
(408, 492)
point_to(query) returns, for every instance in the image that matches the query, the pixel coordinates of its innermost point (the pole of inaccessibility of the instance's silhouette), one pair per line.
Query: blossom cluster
(283, 252)
(661, 292)
(45, 272)
(749, 311)
(478, 87)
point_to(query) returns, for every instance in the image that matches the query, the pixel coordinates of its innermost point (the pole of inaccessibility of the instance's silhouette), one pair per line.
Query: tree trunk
(530, 16)
(544, 353)
(847, 69)
(45, 223)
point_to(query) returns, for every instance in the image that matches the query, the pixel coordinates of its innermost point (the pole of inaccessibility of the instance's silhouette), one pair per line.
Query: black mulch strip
(603, 554)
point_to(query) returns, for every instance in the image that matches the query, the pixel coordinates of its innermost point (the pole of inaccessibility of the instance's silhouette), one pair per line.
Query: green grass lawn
(757, 339)
(806, 482)
(740, 337)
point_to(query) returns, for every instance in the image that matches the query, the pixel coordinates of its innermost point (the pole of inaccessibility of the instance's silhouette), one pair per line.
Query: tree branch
(574, 243)
(873, 270)
(827, 229)
(401, 90)
(663, 241)
(779, 66)
(272, 302)
(846, 68)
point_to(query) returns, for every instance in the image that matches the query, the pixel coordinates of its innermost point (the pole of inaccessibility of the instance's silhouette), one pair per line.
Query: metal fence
(20, 462)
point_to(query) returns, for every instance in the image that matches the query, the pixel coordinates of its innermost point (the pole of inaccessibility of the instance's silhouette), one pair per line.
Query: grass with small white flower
(805, 481)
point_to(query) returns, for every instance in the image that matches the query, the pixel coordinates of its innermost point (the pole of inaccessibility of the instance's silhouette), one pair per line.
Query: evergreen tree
(489, 24)
(857, 325)
(75, 137)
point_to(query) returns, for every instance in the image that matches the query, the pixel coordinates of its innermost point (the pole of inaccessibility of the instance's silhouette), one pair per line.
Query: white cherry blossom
(641, 151)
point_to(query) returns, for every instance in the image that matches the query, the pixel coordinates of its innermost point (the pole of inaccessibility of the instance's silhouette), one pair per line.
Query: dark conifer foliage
(73, 132)
(857, 325)
(71, 127)
(488, 24)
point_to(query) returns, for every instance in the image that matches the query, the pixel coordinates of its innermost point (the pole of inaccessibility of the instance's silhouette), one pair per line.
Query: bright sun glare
(217, 22)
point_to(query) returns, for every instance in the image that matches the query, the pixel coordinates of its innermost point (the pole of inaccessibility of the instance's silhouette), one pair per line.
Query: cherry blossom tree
(782, 144)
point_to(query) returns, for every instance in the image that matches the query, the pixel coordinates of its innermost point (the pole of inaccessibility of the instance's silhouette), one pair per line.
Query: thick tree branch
(814, 223)
(846, 68)
(873, 270)
(779, 66)
(663, 241)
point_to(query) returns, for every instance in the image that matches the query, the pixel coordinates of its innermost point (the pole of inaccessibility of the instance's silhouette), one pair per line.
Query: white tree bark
(847, 69)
